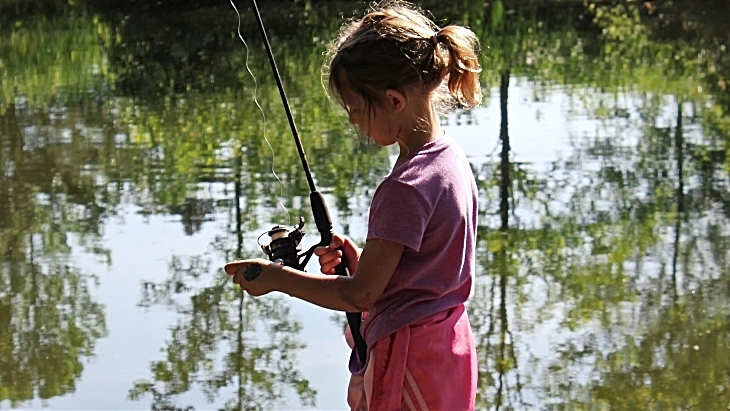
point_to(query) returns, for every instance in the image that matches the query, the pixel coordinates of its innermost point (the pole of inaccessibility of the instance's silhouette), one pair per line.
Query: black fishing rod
(285, 242)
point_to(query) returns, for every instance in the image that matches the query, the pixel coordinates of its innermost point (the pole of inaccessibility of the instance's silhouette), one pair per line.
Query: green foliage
(52, 59)
(621, 247)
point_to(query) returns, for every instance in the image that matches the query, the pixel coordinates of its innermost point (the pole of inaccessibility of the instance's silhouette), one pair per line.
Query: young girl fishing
(392, 71)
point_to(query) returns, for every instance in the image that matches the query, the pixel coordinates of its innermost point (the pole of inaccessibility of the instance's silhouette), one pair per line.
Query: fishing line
(263, 115)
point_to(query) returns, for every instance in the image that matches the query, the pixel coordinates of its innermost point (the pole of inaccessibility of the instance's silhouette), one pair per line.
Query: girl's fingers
(319, 251)
(329, 256)
(335, 242)
(329, 261)
(232, 267)
(329, 268)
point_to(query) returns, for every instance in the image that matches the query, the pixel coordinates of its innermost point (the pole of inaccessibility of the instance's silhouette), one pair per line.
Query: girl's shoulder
(436, 159)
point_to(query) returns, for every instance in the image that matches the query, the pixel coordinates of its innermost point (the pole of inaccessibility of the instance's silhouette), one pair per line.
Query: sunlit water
(607, 290)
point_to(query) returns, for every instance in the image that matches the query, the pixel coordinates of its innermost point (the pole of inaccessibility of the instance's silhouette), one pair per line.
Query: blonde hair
(395, 46)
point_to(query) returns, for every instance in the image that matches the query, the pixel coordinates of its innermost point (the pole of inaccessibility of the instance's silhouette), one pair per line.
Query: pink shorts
(429, 365)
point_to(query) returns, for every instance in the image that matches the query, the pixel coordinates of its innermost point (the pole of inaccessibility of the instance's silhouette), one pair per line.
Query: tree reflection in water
(227, 345)
(225, 342)
(49, 320)
(603, 280)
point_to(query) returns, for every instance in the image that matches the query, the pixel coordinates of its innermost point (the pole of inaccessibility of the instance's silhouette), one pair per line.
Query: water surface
(135, 162)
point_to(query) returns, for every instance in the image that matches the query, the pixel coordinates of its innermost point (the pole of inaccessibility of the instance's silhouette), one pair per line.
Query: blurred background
(143, 145)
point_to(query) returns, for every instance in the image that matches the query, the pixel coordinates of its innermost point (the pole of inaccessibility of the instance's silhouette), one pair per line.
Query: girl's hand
(253, 276)
(331, 256)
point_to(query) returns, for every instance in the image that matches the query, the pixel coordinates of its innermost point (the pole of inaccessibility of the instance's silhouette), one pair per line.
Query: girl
(391, 71)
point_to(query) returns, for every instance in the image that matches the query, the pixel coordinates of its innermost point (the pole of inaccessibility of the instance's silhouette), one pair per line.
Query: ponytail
(462, 64)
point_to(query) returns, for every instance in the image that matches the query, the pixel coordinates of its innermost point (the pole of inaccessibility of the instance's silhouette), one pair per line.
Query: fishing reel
(284, 245)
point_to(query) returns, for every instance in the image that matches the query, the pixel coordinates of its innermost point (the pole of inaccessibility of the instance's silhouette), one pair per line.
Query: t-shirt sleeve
(399, 213)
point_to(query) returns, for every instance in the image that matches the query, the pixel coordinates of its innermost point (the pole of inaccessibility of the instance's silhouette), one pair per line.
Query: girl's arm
(356, 293)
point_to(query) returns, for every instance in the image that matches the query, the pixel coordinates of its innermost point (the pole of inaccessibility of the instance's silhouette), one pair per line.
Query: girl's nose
(351, 118)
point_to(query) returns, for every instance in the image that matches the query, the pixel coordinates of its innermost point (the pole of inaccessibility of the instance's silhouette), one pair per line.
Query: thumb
(232, 267)
(337, 241)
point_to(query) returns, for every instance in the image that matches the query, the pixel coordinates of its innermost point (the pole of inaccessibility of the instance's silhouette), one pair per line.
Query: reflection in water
(603, 279)
(595, 276)
(49, 320)
(669, 352)
(501, 380)
(256, 365)
(238, 351)
(681, 349)
(49, 327)
(633, 300)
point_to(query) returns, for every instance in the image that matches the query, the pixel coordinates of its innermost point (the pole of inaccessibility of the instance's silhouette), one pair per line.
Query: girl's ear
(395, 100)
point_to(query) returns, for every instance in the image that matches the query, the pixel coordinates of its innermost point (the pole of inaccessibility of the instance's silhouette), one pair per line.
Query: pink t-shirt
(429, 204)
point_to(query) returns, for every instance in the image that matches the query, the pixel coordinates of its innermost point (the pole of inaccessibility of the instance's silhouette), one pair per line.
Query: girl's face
(373, 121)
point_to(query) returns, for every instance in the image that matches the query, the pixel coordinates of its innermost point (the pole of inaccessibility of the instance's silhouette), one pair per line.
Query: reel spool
(285, 244)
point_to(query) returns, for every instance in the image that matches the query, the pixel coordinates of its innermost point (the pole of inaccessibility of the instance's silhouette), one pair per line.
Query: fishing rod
(285, 242)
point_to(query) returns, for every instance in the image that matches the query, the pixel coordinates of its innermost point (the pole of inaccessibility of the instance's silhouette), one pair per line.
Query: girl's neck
(415, 134)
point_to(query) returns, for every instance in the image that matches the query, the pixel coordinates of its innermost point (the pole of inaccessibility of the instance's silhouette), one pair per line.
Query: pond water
(135, 162)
